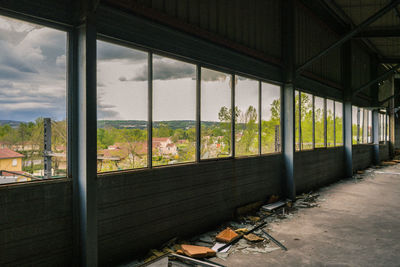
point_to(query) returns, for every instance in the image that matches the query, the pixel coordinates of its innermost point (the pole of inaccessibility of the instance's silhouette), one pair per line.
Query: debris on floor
(197, 251)
(226, 235)
(246, 234)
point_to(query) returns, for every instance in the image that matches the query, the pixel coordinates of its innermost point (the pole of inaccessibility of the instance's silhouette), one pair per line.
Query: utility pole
(47, 148)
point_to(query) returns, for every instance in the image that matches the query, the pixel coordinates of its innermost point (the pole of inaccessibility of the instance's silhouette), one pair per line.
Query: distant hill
(137, 124)
(12, 123)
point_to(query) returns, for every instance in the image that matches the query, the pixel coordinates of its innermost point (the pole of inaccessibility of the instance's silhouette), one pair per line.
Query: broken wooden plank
(273, 206)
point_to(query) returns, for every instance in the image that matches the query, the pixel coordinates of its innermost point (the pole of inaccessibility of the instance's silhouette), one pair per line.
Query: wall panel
(152, 206)
(36, 224)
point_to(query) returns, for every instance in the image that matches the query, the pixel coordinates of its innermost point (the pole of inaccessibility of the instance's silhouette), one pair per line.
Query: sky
(32, 71)
(122, 88)
(33, 80)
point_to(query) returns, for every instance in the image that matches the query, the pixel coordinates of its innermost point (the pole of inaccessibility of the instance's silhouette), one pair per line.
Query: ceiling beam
(375, 32)
(376, 80)
(349, 35)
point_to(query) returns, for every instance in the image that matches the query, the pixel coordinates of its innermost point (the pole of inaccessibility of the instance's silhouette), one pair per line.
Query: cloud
(108, 51)
(166, 70)
(32, 71)
(106, 111)
(122, 79)
(211, 75)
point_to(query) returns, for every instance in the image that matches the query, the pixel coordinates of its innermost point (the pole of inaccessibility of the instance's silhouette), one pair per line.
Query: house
(164, 146)
(10, 160)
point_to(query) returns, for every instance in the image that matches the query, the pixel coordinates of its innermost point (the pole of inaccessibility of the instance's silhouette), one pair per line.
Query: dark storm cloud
(163, 70)
(106, 111)
(108, 51)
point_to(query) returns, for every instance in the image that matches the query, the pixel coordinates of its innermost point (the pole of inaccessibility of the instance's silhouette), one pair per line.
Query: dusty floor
(357, 224)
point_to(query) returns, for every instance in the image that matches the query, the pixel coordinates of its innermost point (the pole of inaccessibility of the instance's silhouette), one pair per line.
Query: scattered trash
(226, 235)
(273, 206)
(274, 240)
(197, 251)
(249, 208)
(253, 238)
(195, 261)
(219, 245)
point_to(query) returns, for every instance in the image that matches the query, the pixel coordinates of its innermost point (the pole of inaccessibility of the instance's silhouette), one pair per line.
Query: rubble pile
(248, 233)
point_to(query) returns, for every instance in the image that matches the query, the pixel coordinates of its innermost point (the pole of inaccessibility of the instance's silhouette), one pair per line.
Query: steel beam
(150, 110)
(377, 32)
(375, 112)
(346, 54)
(376, 80)
(84, 147)
(198, 113)
(349, 35)
(287, 108)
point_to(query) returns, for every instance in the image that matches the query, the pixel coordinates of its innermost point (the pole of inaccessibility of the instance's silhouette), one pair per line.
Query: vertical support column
(83, 149)
(392, 119)
(375, 112)
(150, 110)
(287, 112)
(47, 148)
(233, 115)
(347, 110)
(198, 113)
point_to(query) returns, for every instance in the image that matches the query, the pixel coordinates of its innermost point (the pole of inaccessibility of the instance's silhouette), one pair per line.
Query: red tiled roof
(6, 153)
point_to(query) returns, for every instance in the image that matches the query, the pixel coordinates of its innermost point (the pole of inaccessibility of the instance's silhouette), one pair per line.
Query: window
(319, 120)
(338, 123)
(355, 124)
(246, 109)
(174, 111)
(369, 126)
(270, 118)
(387, 128)
(297, 120)
(381, 127)
(33, 89)
(330, 123)
(121, 107)
(364, 125)
(216, 119)
(360, 125)
(306, 121)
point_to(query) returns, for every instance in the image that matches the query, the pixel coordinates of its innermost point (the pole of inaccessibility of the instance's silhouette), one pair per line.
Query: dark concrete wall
(36, 224)
(315, 168)
(384, 152)
(140, 210)
(362, 156)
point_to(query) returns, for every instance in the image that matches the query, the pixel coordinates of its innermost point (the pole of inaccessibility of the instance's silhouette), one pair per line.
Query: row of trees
(27, 139)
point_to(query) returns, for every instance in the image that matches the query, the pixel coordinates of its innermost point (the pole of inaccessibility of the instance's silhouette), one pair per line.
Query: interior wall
(315, 168)
(36, 224)
(142, 209)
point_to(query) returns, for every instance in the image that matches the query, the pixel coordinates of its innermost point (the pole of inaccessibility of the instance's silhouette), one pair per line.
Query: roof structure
(6, 153)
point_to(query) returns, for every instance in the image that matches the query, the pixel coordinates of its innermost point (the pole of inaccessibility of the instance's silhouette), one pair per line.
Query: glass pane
(369, 126)
(381, 127)
(271, 118)
(338, 123)
(387, 128)
(33, 102)
(355, 124)
(360, 125)
(215, 114)
(121, 107)
(297, 119)
(365, 126)
(306, 123)
(319, 113)
(246, 125)
(330, 123)
(174, 111)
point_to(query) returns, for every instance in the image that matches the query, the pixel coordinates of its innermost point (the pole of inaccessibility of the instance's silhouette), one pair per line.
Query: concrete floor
(357, 224)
